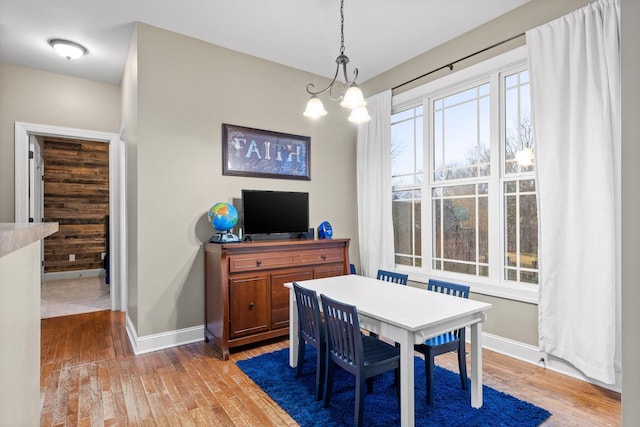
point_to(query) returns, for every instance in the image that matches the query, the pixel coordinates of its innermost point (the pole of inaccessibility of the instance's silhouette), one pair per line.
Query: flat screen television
(274, 212)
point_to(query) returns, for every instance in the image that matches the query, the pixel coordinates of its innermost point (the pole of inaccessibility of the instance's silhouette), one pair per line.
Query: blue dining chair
(450, 341)
(360, 355)
(310, 330)
(393, 277)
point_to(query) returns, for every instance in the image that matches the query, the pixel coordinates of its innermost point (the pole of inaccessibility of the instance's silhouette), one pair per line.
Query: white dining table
(405, 314)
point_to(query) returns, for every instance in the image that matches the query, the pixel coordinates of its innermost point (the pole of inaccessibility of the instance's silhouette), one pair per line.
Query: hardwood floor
(90, 376)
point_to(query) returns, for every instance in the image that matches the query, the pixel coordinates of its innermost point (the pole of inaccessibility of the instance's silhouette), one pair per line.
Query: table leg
(476, 365)
(293, 330)
(407, 411)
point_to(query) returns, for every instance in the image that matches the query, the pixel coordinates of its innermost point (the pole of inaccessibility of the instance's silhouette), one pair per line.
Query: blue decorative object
(451, 406)
(325, 231)
(223, 217)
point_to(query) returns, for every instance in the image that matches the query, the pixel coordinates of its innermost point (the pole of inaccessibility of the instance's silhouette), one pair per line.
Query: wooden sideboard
(245, 297)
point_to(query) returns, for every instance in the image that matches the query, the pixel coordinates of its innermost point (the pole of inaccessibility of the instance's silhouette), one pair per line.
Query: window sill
(522, 293)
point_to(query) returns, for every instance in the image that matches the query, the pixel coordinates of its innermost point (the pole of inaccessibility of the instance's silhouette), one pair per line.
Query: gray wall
(33, 96)
(630, 17)
(179, 96)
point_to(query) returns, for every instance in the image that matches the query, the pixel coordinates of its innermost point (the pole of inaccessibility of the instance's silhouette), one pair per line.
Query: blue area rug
(451, 405)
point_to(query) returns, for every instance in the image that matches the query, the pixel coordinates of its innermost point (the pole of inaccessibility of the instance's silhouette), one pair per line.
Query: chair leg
(430, 366)
(360, 394)
(396, 377)
(328, 382)
(320, 366)
(396, 382)
(301, 348)
(462, 366)
(369, 385)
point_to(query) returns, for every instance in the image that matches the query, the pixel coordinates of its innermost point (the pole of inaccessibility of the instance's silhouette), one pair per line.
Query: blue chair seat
(443, 339)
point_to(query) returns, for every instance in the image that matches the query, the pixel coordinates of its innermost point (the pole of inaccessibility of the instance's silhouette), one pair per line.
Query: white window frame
(494, 285)
(415, 186)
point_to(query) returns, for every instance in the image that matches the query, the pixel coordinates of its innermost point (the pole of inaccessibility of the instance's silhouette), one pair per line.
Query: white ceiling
(304, 34)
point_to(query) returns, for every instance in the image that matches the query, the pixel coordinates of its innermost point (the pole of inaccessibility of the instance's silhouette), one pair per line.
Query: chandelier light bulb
(359, 115)
(353, 98)
(314, 108)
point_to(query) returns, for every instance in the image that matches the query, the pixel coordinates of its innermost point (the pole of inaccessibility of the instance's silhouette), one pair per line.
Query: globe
(223, 216)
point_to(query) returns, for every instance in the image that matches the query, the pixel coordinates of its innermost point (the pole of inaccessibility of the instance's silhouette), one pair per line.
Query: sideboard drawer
(320, 256)
(253, 262)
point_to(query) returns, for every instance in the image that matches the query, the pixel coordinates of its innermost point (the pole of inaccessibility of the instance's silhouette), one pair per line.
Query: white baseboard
(75, 274)
(164, 340)
(517, 350)
(531, 354)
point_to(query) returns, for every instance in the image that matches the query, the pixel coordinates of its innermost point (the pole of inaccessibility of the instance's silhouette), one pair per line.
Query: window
(463, 147)
(407, 177)
(519, 186)
(459, 186)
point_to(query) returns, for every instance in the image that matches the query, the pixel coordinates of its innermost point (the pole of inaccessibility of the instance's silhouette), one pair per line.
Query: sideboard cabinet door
(249, 310)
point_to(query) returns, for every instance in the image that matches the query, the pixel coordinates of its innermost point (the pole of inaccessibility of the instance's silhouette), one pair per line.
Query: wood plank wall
(76, 195)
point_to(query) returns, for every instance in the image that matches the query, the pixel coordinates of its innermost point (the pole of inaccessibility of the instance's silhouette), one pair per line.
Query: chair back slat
(344, 341)
(455, 289)
(309, 320)
(393, 277)
(448, 288)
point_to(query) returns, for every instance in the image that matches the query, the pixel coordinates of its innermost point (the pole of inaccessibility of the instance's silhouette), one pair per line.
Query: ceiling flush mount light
(68, 49)
(345, 91)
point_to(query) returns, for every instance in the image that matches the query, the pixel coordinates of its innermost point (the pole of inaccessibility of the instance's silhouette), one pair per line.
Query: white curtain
(575, 83)
(375, 224)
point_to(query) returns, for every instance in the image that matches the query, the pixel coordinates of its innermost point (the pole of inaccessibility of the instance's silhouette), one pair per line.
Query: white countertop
(14, 236)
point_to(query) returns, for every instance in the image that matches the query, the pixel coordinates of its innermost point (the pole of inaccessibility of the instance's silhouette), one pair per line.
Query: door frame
(36, 188)
(117, 186)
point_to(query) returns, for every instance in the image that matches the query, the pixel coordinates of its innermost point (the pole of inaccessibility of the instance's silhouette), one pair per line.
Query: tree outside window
(465, 184)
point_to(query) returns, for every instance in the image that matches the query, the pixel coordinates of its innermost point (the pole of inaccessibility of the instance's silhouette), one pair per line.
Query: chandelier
(345, 91)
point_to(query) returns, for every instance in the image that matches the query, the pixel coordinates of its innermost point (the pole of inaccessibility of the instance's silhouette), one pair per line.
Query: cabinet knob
(259, 262)
(324, 256)
(251, 306)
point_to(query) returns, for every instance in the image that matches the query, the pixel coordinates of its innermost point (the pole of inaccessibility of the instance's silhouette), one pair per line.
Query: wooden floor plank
(90, 376)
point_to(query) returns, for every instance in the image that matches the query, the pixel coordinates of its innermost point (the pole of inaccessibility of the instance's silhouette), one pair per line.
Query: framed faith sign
(264, 154)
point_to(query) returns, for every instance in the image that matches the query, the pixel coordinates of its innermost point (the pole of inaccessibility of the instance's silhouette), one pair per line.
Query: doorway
(116, 223)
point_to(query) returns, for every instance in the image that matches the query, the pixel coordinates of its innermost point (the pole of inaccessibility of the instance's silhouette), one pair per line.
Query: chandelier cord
(341, 62)
(341, 27)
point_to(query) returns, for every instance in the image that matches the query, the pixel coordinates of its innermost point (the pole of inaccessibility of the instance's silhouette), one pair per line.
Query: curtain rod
(451, 64)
